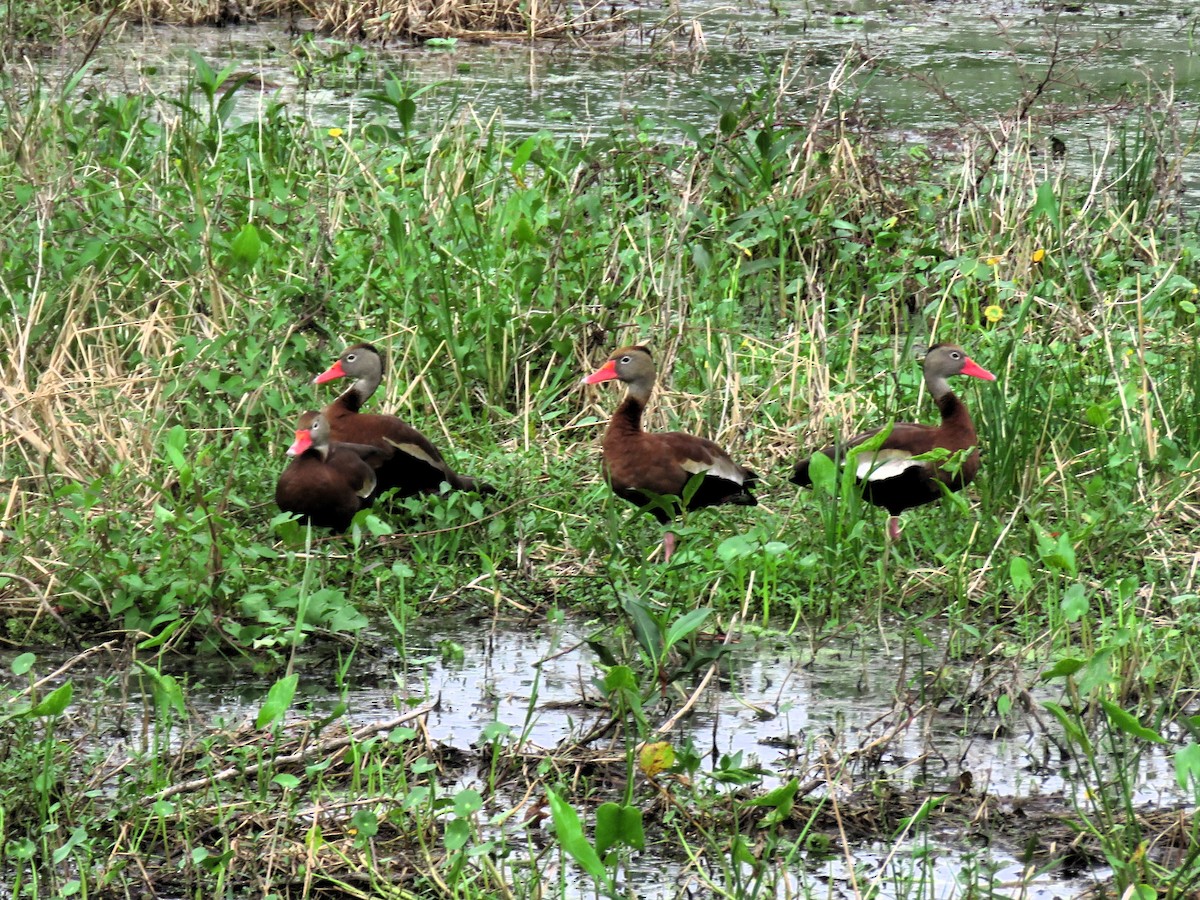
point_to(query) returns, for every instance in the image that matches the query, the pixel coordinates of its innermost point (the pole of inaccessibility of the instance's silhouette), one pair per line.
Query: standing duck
(326, 483)
(415, 466)
(638, 465)
(890, 477)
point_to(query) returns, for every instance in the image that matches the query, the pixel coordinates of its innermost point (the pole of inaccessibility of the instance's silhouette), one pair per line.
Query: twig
(319, 749)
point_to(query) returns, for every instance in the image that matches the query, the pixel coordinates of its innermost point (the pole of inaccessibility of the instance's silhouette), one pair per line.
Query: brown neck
(954, 411)
(628, 417)
(352, 399)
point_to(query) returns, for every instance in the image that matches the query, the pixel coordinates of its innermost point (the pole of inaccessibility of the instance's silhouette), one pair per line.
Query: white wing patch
(368, 486)
(720, 468)
(883, 464)
(414, 451)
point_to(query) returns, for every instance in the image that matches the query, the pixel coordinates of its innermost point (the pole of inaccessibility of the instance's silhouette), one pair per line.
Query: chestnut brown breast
(638, 464)
(415, 465)
(889, 477)
(326, 482)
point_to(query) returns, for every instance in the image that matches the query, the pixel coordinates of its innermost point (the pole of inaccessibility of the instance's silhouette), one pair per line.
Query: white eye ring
(626, 359)
(350, 358)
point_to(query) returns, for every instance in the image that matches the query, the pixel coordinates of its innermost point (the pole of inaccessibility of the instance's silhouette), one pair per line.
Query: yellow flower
(1038, 255)
(993, 260)
(336, 132)
(993, 313)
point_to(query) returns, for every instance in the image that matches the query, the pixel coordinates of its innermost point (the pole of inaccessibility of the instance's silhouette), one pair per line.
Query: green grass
(172, 279)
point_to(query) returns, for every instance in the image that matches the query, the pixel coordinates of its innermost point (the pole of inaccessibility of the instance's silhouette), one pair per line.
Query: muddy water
(777, 702)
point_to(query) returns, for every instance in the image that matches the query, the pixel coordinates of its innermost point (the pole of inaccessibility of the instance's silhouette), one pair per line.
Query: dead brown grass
(387, 20)
(205, 12)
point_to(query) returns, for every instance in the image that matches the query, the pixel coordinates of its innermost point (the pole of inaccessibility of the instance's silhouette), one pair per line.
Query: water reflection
(935, 66)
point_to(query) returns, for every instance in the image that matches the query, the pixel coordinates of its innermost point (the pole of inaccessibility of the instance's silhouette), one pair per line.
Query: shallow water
(982, 54)
(778, 702)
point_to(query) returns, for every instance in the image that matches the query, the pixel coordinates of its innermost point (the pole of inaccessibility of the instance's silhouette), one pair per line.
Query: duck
(641, 466)
(326, 482)
(891, 477)
(415, 465)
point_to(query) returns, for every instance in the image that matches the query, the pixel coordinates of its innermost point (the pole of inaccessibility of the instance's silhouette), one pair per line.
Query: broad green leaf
(1019, 575)
(1064, 668)
(570, 835)
(822, 473)
(619, 824)
(55, 702)
(619, 678)
(645, 627)
(1046, 203)
(458, 832)
(1075, 603)
(1187, 765)
(467, 802)
(279, 700)
(246, 245)
(1129, 724)
(685, 625)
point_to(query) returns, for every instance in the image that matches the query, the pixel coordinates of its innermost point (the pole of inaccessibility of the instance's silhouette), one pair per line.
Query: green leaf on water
(740, 852)
(620, 678)
(23, 663)
(780, 800)
(167, 694)
(279, 700)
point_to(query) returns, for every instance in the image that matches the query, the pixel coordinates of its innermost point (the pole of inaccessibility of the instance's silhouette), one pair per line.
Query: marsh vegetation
(173, 278)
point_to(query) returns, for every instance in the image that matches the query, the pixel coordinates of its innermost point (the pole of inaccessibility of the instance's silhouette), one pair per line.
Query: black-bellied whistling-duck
(636, 462)
(416, 466)
(890, 477)
(326, 482)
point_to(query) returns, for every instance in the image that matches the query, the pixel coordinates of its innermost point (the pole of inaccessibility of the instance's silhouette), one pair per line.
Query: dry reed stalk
(205, 12)
(387, 20)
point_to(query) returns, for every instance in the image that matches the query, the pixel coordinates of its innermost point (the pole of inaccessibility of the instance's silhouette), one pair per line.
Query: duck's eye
(956, 356)
(626, 359)
(350, 357)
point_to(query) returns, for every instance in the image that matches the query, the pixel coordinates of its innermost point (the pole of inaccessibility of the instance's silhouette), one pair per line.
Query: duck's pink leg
(893, 528)
(668, 546)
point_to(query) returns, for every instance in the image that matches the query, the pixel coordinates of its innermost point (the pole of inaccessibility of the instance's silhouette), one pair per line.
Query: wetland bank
(507, 696)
